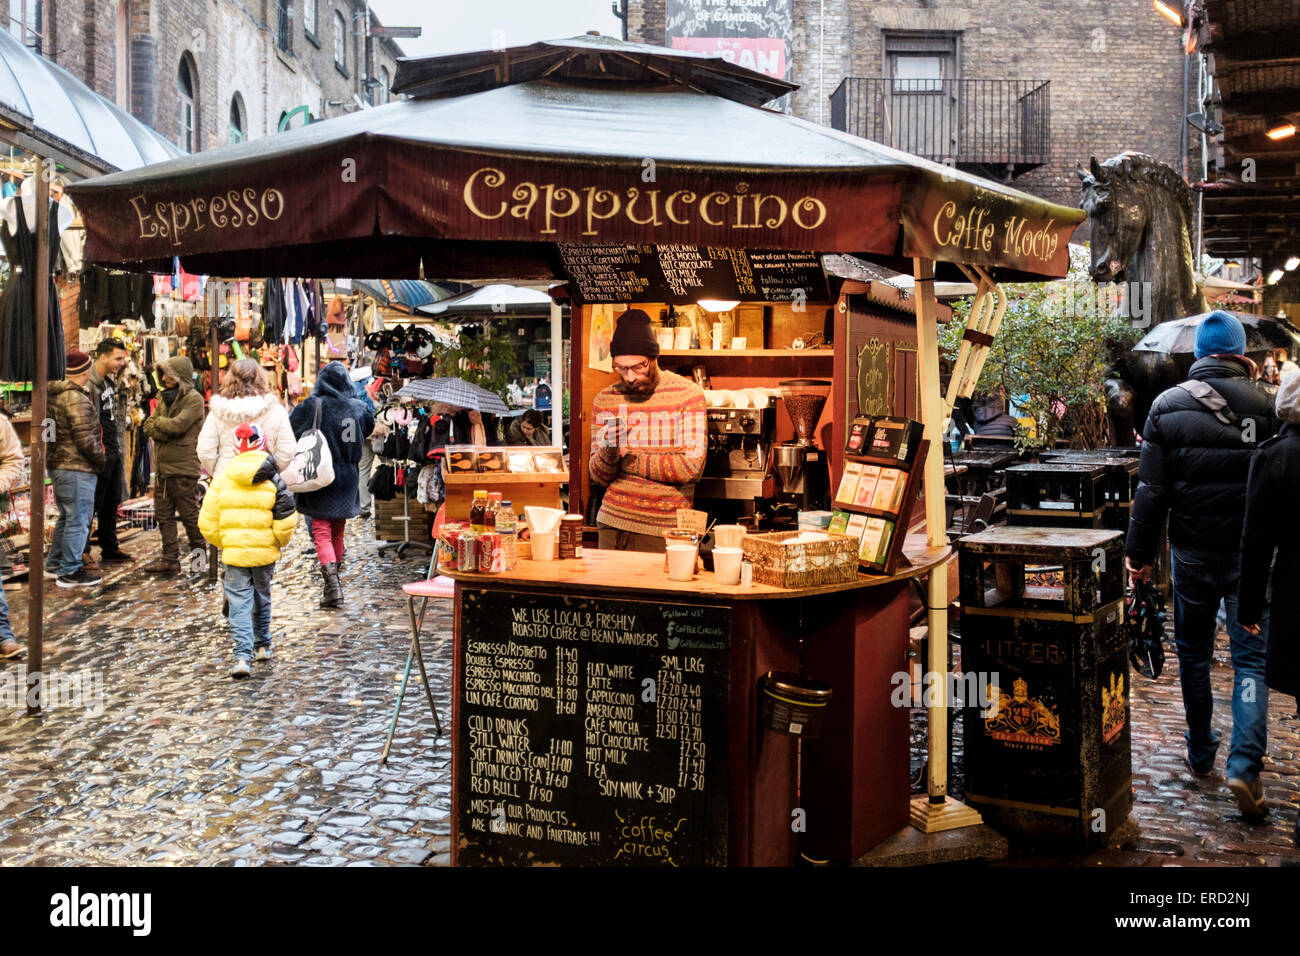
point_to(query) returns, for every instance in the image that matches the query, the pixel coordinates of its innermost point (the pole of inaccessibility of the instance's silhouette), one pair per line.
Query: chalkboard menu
(605, 272)
(591, 731)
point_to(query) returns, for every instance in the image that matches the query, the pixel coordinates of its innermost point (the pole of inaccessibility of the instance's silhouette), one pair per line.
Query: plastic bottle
(953, 436)
(508, 528)
(493, 506)
(477, 511)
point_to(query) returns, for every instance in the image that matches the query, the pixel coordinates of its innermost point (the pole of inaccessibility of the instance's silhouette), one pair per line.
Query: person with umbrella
(1197, 447)
(344, 423)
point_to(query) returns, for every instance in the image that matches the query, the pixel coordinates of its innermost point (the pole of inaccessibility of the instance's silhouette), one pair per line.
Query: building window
(25, 22)
(384, 82)
(122, 58)
(238, 131)
(920, 64)
(186, 106)
(284, 25)
(309, 17)
(340, 41)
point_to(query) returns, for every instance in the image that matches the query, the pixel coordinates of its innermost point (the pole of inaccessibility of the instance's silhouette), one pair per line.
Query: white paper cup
(728, 535)
(665, 337)
(726, 564)
(681, 562)
(543, 546)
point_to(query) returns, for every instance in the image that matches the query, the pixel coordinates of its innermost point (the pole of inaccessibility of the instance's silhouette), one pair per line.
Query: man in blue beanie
(1196, 450)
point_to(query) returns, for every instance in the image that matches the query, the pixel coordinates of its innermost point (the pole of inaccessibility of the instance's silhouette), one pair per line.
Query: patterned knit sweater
(663, 439)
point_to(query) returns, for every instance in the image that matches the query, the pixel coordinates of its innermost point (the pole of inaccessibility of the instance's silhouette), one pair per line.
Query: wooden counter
(631, 572)
(683, 772)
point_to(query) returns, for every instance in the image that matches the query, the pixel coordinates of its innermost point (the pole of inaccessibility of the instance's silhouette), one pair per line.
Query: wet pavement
(150, 753)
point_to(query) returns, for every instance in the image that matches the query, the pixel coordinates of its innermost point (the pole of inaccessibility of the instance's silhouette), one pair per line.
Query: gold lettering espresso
(230, 210)
(548, 205)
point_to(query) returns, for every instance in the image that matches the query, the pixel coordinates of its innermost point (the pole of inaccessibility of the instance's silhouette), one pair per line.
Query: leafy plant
(484, 359)
(1052, 353)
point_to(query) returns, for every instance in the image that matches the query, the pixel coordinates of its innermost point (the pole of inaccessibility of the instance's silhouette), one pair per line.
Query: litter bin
(1048, 759)
(1057, 494)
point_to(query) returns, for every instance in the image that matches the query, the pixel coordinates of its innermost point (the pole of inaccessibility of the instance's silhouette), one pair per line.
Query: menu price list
(605, 272)
(592, 731)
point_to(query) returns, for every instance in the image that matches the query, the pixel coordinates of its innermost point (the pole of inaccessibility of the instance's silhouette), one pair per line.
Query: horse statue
(1140, 213)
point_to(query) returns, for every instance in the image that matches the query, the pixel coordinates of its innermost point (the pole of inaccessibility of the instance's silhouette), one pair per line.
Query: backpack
(312, 467)
(1208, 396)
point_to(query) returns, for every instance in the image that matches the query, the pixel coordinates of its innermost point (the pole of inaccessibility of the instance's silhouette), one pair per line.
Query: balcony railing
(1000, 128)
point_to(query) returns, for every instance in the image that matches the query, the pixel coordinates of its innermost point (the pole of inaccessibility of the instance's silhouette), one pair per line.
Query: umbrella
(406, 294)
(454, 391)
(1263, 333)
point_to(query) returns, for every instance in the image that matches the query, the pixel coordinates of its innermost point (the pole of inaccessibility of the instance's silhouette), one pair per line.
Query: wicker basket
(811, 564)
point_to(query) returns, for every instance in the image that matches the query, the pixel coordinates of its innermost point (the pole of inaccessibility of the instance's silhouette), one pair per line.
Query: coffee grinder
(802, 470)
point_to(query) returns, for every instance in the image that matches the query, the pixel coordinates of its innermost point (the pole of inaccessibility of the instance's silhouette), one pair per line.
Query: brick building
(207, 73)
(961, 80)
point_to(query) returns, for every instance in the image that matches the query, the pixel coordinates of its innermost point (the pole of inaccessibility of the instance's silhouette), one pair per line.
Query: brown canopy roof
(483, 184)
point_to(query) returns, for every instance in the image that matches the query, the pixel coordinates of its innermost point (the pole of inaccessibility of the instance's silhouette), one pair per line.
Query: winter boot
(333, 593)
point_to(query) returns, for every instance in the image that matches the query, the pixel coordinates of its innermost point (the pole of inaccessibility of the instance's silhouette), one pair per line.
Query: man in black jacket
(1196, 454)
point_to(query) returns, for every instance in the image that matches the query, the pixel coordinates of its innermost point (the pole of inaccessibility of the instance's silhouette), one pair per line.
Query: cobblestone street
(186, 766)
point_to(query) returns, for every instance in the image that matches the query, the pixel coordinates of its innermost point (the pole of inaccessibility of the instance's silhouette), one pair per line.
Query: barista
(648, 441)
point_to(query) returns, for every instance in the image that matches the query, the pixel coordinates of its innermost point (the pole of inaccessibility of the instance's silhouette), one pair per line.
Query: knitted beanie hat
(248, 437)
(76, 362)
(1220, 333)
(632, 336)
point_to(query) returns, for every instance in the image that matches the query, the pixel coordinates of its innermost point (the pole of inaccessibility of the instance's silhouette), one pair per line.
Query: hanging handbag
(312, 467)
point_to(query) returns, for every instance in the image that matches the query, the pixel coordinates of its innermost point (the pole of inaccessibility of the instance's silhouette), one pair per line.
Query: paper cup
(681, 562)
(665, 338)
(726, 564)
(682, 337)
(543, 546)
(728, 536)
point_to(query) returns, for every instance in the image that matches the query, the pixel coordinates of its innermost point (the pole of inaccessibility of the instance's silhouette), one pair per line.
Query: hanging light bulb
(1279, 127)
(1274, 276)
(1291, 263)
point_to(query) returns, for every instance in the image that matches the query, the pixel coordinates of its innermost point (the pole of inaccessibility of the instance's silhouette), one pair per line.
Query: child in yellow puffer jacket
(249, 514)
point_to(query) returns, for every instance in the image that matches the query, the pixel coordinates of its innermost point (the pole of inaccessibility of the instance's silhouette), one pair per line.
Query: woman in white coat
(244, 397)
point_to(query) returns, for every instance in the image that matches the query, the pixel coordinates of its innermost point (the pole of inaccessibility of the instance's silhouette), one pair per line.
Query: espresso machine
(737, 478)
(801, 466)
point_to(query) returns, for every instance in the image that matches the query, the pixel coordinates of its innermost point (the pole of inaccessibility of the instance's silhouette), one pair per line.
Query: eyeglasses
(637, 369)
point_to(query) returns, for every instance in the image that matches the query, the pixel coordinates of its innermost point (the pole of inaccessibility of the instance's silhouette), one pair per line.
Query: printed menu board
(677, 274)
(591, 731)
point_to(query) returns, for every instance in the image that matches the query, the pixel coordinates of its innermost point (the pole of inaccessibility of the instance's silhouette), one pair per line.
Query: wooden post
(40, 381)
(935, 811)
(557, 375)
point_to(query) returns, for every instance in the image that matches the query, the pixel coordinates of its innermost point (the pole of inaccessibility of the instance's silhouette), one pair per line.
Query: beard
(641, 389)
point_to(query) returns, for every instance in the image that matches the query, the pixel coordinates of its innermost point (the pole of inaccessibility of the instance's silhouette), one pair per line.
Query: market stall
(600, 164)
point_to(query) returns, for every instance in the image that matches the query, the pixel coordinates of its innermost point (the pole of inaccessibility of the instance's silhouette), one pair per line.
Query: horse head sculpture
(1140, 214)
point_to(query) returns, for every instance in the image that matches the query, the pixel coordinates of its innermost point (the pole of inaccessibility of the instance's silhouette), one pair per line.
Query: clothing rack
(406, 543)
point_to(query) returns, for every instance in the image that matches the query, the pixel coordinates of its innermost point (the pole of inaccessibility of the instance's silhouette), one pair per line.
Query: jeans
(178, 496)
(327, 533)
(248, 592)
(363, 471)
(1201, 579)
(6, 629)
(110, 491)
(75, 493)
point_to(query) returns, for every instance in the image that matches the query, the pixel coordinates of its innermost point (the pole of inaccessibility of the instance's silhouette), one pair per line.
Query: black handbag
(1144, 612)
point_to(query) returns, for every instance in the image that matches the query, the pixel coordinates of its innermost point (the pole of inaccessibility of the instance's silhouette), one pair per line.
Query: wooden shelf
(746, 353)
(506, 478)
(864, 510)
